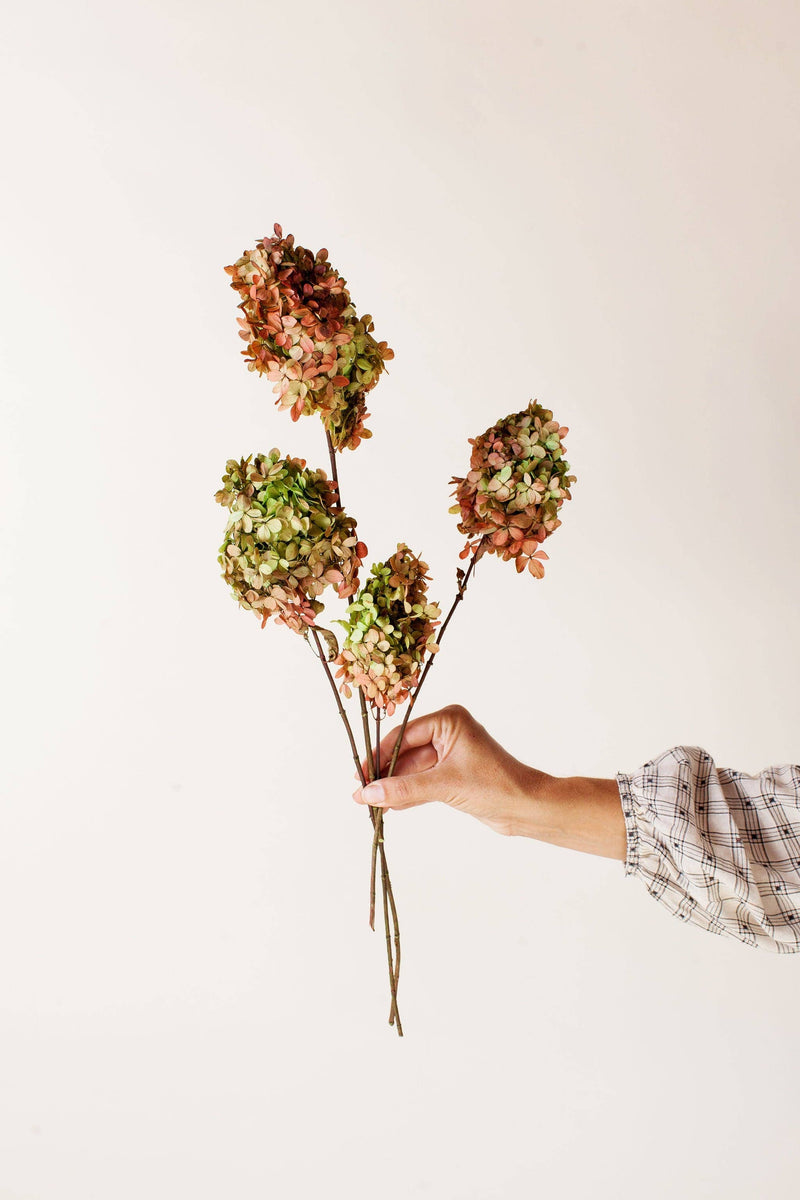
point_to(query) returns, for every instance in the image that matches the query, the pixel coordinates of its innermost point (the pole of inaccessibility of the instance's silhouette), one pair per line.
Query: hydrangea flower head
(389, 630)
(303, 333)
(286, 539)
(517, 482)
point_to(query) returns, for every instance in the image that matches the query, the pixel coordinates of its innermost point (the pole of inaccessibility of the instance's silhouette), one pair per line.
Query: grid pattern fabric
(718, 848)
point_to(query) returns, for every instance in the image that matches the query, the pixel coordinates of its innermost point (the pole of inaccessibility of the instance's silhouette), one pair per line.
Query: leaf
(329, 638)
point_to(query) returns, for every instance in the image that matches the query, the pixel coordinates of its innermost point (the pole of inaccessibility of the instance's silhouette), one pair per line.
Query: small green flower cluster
(286, 539)
(517, 482)
(303, 333)
(390, 629)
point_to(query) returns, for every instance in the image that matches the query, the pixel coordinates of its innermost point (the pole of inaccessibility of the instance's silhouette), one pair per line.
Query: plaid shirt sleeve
(718, 848)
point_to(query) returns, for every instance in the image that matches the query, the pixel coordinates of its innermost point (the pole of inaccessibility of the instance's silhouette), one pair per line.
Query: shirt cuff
(631, 863)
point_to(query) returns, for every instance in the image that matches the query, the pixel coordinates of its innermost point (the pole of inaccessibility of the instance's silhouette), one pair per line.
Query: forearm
(577, 812)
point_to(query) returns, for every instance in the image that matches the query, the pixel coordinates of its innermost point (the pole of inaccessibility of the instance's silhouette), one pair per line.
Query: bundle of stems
(376, 769)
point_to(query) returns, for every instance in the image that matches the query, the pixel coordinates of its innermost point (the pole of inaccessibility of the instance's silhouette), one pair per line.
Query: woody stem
(388, 897)
(339, 705)
(462, 587)
(334, 472)
(376, 814)
(373, 811)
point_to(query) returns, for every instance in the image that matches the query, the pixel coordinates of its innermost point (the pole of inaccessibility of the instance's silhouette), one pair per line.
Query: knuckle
(457, 713)
(400, 794)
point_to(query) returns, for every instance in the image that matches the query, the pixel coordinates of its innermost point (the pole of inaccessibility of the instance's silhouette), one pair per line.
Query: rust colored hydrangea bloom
(286, 539)
(390, 629)
(517, 482)
(303, 333)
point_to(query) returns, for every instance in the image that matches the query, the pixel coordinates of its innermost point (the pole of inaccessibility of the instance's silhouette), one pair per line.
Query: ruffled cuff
(624, 784)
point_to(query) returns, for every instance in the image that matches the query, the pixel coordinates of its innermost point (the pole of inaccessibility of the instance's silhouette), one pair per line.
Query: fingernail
(374, 793)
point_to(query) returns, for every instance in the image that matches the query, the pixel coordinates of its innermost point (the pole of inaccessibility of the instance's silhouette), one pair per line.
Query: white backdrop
(590, 204)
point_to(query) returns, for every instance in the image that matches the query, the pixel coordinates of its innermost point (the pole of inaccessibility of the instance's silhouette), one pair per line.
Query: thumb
(404, 791)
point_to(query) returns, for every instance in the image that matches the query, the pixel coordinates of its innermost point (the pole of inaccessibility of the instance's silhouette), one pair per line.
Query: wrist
(576, 812)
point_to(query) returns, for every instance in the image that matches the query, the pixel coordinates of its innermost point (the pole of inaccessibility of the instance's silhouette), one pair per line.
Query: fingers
(405, 791)
(420, 759)
(416, 781)
(412, 761)
(419, 732)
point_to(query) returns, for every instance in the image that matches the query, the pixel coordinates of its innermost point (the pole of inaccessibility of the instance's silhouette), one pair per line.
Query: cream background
(590, 204)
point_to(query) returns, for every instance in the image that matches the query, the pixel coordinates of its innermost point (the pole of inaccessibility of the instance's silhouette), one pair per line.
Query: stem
(396, 936)
(393, 1011)
(462, 587)
(334, 473)
(373, 811)
(339, 705)
(388, 895)
(376, 816)
(367, 737)
(378, 744)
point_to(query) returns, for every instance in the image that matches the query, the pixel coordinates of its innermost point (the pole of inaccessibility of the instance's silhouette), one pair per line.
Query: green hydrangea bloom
(286, 539)
(389, 630)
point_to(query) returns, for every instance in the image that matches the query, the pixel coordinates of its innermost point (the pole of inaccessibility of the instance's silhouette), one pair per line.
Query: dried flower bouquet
(288, 538)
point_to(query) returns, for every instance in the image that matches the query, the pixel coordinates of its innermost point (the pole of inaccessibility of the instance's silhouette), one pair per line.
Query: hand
(448, 756)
